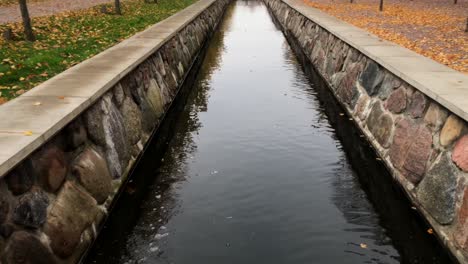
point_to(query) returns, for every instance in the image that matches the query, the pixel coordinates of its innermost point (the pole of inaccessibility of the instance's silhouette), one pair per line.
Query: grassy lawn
(69, 38)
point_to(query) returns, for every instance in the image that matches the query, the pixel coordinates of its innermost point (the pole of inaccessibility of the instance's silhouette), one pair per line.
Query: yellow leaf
(28, 133)
(430, 231)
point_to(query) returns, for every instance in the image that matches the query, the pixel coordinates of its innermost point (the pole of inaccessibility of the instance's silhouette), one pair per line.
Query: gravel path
(12, 14)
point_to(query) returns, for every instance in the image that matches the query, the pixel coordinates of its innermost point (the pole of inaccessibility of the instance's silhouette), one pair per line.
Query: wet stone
(6, 230)
(119, 94)
(461, 231)
(31, 210)
(418, 155)
(132, 120)
(417, 105)
(90, 168)
(21, 179)
(4, 208)
(375, 113)
(336, 79)
(396, 102)
(437, 190)
(452, 129)
(380, 124)
(389, 83)
(149, 117)
(76, 133)
(155, 98)
(460, 153)
(435, 116)
(72, 212)
(24, 247)
(51, 167)
(93, 120)
(351, 57)
(361, 106)
(411, 149)
(106, 128)
(348, 91)
(371, 78)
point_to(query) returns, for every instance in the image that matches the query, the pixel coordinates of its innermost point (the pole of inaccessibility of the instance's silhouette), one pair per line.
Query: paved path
(12, 13)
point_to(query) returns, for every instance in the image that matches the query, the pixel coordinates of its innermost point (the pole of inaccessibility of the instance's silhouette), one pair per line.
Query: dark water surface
(261, 167)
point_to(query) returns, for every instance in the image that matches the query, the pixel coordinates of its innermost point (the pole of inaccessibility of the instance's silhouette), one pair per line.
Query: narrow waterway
(261, 167)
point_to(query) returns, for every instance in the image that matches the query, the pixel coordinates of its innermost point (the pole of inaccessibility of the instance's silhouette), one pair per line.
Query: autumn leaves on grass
(435, 29)
(68, 38)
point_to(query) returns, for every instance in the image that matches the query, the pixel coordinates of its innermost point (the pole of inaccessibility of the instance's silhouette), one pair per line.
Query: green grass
(69, 38)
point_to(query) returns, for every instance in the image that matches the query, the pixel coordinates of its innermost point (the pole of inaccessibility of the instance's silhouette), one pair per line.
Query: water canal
(260, 167)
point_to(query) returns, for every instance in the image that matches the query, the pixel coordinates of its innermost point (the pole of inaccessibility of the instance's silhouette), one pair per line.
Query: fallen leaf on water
(61, 97)
(363, 245)
(430, 231)
(37, 103)
(28, 133)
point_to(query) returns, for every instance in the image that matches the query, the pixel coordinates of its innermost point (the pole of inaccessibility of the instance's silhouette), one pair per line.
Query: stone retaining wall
(423, 144)
(53, 202)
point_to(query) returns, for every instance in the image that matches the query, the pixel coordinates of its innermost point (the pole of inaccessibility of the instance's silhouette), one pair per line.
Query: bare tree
(28, 31)
(118, 10)
(466, 29)
(381, 6)
(455, 2)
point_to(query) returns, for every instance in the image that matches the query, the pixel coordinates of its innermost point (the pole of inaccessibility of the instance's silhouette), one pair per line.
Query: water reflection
(258, 166)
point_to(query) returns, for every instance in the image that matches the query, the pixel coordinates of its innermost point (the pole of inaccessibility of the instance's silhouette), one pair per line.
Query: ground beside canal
(68, 38)
(433, 28)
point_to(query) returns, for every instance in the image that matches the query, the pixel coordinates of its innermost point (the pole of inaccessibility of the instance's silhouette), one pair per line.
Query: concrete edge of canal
(412, 109)
(68, 145)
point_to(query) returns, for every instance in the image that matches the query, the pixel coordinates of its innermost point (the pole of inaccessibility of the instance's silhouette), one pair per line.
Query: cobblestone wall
(423, 144)
(53, 203)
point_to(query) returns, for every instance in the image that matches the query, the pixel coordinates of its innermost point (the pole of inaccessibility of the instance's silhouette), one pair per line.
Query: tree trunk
(28, 32)
(466, 29)
(381, 6)
(118, 10)
(455, 2)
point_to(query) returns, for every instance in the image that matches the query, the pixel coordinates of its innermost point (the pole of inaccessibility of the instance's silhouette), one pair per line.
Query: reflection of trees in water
(182, 144)
(364, 191)
(161, 202)
(251, 4)
(348, 195)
